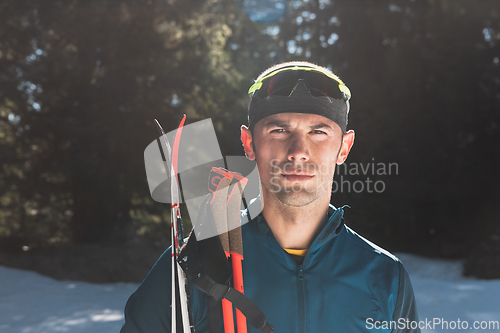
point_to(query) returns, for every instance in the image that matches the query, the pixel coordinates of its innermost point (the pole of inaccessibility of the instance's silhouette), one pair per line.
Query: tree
(424, 77)
(93, 77)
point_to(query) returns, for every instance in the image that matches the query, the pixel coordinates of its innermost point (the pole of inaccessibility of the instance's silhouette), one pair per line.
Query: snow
(31, 303)
(442, 293)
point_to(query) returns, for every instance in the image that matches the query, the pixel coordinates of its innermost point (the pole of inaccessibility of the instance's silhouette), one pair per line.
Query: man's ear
(347, 142)
(246, 140)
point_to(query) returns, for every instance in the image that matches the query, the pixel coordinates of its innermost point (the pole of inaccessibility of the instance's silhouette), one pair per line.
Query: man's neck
(295, 227)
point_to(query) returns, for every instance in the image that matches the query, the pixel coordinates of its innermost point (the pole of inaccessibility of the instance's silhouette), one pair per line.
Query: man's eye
(319, 132)
(278, 130)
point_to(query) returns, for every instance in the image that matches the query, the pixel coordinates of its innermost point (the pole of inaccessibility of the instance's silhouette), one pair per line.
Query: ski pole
(230, 236)
(220, 180)
(235, 241)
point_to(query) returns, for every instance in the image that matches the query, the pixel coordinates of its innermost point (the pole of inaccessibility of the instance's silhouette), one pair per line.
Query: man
(303, 267)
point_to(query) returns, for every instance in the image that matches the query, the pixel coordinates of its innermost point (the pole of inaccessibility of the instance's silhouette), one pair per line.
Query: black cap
(299, 101)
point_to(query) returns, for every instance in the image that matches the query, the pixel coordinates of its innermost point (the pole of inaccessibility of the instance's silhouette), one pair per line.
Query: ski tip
(181, 124)
(183, 120)
(159, 127)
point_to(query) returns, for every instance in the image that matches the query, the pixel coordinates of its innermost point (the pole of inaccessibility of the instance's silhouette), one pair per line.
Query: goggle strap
(256, 86)
(343, 88)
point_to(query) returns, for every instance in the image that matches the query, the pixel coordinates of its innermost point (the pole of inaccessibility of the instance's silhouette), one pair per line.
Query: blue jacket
(344, 284)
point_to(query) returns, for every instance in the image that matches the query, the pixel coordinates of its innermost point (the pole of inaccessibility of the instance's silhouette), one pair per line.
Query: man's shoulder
(368, 249)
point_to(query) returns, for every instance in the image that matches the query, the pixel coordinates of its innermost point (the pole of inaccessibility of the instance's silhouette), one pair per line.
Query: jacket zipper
(301, 284)
(302, 299)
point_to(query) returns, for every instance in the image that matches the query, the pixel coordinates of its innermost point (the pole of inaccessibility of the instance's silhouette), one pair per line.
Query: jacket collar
(332, 228)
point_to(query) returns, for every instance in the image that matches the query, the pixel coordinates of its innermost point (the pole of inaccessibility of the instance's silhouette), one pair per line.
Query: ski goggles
(283, 81)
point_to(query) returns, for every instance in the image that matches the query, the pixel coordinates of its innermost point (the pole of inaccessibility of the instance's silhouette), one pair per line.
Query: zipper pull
(300, 273)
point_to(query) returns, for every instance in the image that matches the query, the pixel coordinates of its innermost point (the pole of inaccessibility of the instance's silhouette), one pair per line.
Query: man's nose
(297, 149)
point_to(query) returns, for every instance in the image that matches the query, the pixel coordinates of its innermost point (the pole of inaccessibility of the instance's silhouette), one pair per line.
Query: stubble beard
(298, 194)
(288, 197)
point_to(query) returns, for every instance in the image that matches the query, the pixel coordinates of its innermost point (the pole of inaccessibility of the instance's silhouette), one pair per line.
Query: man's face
(296, 155)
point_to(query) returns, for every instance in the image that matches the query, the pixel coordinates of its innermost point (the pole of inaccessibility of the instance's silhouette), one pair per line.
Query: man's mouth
(297, 176)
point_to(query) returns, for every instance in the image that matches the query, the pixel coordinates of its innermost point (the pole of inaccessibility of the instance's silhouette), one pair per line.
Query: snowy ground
(31, 303)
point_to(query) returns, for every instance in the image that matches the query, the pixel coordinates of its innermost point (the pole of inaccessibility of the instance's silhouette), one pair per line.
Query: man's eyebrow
(286, 125)
(277, 123)
(321, 126)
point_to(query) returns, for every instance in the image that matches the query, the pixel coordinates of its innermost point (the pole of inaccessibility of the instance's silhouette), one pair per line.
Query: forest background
(82, 81)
